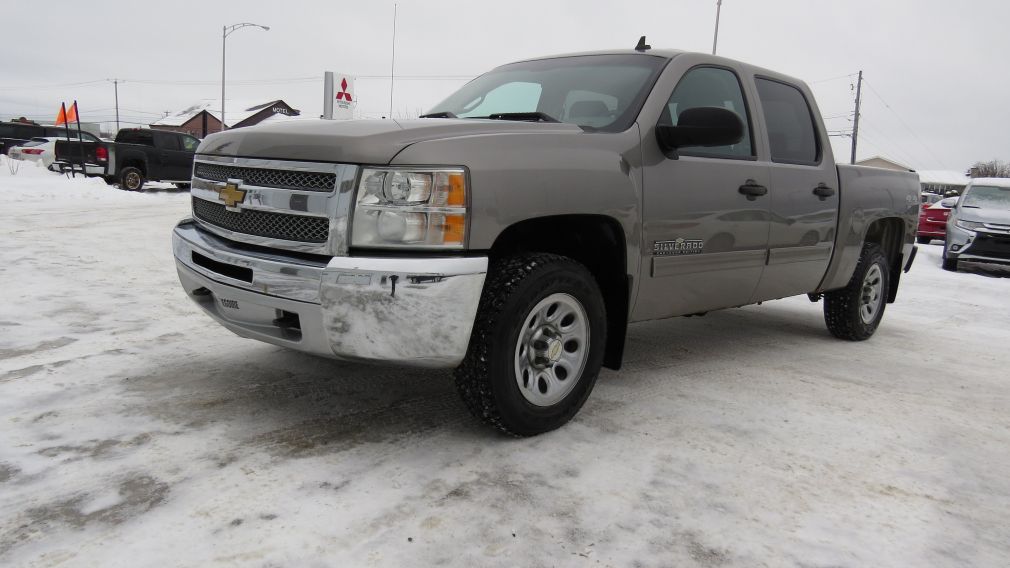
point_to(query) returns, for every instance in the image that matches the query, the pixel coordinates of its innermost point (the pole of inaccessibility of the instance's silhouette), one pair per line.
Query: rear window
(791, 132)
(145, 137)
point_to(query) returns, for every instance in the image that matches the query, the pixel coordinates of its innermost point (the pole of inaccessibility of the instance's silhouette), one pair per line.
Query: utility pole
(718, 11)
(855, 121)
(115, 85)
(392, 62)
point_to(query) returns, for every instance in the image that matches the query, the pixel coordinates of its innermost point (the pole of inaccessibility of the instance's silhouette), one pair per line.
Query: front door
(803, 193)
(706, 232)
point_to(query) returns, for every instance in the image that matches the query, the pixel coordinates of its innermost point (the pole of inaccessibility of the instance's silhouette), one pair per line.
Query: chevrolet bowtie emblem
(231, 194)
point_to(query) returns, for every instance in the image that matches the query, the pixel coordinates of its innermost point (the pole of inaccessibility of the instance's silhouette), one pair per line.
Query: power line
(849, 76)
(907, 127)
(51, 86)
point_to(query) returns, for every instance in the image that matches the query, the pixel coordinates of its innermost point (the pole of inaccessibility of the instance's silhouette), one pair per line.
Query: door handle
(753, 190)
(823, 191)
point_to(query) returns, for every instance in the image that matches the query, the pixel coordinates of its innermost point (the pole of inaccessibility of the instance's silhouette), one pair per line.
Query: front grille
(263, 177)
(984, 245)
(298, 228)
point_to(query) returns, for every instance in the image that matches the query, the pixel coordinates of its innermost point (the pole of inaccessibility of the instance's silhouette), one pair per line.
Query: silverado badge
(231, 194)
(677, 247)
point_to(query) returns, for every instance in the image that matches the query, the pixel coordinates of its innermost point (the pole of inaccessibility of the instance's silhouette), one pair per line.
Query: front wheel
(854, 312)
(131, 179)
(537, 344)
(923, 240)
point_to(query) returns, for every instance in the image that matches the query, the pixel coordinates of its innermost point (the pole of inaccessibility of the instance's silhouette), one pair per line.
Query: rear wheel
(131, 179)
(537, 344)
(923, 240)
(854, 312)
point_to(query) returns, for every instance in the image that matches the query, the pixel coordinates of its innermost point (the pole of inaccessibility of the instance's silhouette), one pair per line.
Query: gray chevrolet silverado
(515, 231)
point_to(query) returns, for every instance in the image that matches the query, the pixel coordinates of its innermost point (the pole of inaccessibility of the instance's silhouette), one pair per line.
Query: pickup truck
(138, 155)
(516, 232)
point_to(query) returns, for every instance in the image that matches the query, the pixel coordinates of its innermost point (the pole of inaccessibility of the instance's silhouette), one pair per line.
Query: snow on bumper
(407, 311)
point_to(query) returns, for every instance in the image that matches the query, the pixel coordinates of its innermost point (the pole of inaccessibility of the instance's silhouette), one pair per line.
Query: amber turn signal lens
(457, 190)
(454, 229)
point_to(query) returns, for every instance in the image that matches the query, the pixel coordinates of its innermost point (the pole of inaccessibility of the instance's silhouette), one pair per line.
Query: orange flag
(62, 117)
(72, 113)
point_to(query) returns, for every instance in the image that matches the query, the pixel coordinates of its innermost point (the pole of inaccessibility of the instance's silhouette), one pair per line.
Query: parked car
(516, 232)
(933, 220)
(978, 228)
(43, 150)
(17, 133)
(137, 156)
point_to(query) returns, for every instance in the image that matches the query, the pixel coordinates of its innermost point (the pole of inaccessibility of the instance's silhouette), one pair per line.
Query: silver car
(978, 228)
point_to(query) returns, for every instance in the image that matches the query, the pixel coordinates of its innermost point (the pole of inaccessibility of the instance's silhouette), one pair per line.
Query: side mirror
(700, 126)
(949, 202)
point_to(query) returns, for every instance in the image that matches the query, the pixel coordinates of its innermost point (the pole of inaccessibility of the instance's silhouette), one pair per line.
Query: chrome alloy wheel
(552, 349)
(132, 180)
(869, 296)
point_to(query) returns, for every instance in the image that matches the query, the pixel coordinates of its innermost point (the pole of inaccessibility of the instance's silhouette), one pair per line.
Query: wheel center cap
(554, 349)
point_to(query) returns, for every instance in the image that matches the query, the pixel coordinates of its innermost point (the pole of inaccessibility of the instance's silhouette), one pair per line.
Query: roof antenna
(642, 46)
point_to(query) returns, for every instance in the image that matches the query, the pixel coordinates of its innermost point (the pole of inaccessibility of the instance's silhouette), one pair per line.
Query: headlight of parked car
(969, 225)
(410, 207)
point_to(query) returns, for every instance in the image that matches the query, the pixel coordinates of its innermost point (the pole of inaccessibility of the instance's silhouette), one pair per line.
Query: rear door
(705, 240)
(803, 194)
(176, 162)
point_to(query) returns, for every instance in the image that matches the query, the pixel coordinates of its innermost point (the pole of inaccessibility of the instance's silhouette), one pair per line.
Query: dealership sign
(339, 99)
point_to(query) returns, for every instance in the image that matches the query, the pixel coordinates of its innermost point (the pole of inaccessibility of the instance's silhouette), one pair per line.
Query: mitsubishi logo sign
(344, 94)
(339, 99)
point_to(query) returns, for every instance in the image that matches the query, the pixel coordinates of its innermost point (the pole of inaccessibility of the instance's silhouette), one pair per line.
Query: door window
(189, 143)
(166, 141)
(710, 87)
(791, 132)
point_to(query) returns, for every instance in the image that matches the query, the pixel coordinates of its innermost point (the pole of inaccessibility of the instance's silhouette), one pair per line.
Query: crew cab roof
(670, 54)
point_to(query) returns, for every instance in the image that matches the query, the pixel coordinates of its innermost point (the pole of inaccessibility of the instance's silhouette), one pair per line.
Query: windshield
(602, 92)
(987, 197)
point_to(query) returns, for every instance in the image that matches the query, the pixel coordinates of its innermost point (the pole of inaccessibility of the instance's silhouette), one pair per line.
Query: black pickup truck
(138, 155)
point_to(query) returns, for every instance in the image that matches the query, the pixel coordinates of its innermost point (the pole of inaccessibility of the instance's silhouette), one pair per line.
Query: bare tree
(992, 168)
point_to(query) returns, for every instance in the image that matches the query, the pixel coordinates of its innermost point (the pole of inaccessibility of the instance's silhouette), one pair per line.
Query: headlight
(969, 225)
(416, 207)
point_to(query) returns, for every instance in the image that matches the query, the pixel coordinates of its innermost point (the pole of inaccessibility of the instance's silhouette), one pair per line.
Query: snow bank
(28, 182)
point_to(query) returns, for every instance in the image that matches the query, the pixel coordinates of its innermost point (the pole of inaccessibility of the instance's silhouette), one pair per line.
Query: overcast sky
(936, 92)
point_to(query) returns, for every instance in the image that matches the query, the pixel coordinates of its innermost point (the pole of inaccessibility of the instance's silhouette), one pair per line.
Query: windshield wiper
(971, 206)
(441, 114)
(527, 116)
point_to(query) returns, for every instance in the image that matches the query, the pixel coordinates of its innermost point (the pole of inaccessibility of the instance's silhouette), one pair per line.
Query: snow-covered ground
(136, 432)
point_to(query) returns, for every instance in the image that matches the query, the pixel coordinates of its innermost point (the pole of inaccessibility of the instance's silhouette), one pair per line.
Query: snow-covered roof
(875, 159)
(235, 111)
(998, 182)
(943, 177)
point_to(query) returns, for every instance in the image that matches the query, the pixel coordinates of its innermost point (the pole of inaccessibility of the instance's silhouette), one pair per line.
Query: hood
(996, 216)
(356, 141)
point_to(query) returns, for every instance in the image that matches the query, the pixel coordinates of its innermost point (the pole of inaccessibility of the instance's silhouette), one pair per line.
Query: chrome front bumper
(405, 311)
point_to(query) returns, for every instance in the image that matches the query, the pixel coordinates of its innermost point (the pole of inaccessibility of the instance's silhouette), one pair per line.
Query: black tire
(923, 240)
(131, 179)
(949, 264)
(182, 186)
(488, 380)
(844, 309)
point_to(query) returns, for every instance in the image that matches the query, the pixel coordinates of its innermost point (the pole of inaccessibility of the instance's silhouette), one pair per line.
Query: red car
(933, 221)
